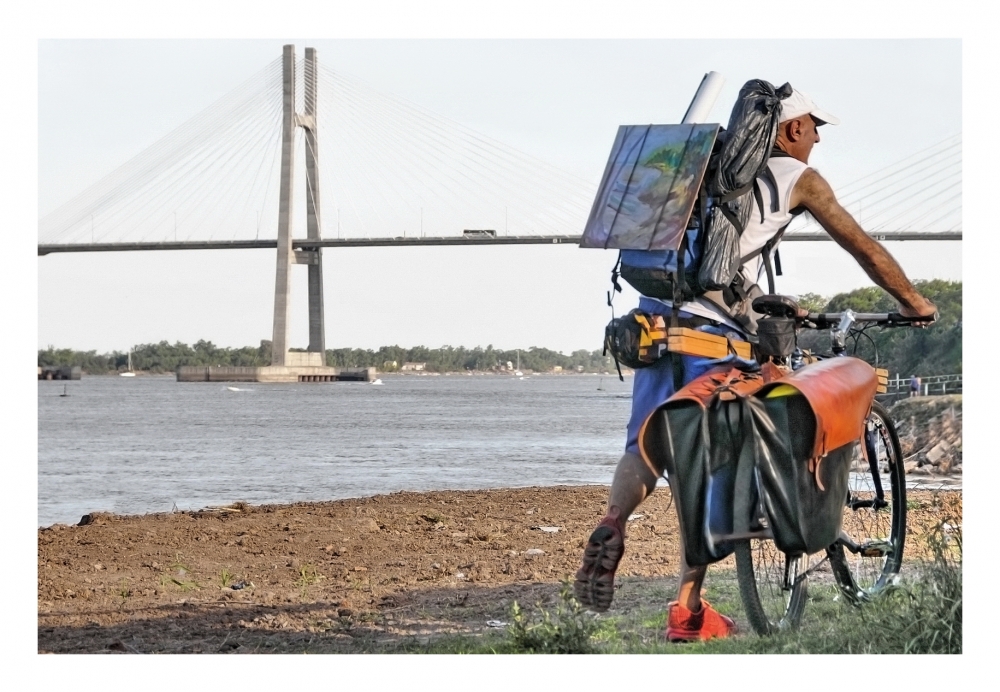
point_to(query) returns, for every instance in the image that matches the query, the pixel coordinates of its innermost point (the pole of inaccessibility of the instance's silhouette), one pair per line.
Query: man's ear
(793, 129)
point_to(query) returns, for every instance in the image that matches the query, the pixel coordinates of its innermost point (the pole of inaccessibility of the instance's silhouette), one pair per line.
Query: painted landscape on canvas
(649, 187)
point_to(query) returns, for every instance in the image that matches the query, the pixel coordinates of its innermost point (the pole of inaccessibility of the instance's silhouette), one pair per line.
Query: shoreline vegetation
(936, 350)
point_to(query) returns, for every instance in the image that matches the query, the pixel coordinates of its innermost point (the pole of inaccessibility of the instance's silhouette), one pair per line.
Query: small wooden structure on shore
(273, 373)
(59, 372)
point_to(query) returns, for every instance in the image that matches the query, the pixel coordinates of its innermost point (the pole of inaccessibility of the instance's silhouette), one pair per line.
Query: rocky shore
(372, 574)
(930, 433)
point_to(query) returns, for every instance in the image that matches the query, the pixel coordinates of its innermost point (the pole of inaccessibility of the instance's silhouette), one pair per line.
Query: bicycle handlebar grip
(898, 320)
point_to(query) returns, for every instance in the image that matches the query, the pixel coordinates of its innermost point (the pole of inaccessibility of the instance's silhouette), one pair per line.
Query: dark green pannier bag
(797, 433)
(702, 438)
(807, 426)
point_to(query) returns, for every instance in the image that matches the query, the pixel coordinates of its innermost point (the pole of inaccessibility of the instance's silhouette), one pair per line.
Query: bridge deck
(45, 249)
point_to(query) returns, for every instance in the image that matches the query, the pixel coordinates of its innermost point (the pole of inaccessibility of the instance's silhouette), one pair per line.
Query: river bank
(377, 574)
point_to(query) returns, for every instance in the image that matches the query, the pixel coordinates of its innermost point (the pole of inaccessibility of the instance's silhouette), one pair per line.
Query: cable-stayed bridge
(380, 170)
(395, 173)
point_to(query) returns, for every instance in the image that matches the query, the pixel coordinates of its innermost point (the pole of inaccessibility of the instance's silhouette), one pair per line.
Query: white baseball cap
(798, 104)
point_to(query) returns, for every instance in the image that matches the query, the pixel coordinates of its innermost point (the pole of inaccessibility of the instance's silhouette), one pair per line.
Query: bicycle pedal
(875, 549)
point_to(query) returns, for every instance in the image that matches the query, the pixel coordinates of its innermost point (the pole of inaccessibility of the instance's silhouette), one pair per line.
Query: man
(796, 188)
(914, 385)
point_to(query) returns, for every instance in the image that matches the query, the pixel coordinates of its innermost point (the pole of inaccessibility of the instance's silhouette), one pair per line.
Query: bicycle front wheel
(875, 514)
(772, 585)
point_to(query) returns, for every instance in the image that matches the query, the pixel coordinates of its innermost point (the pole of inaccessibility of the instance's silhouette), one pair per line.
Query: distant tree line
(165, 357)
(458, 359)
(936, 350)
(161, 357)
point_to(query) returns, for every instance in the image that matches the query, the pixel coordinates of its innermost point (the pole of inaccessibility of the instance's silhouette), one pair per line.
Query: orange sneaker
(684, 625)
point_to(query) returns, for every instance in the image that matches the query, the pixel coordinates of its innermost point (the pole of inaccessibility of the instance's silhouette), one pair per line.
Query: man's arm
(816, 195)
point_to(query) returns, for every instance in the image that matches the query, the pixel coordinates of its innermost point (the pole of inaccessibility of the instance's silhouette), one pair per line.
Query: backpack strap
(615, 273)
(767, 251)
(769, 178)
(753, 187)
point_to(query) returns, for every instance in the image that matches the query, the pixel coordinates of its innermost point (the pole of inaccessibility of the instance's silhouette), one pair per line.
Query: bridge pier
(315, 355)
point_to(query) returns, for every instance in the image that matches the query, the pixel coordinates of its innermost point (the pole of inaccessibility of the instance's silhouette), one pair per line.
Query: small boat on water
(64, 391)
(377, 381)
(234, 389)
(128, 373)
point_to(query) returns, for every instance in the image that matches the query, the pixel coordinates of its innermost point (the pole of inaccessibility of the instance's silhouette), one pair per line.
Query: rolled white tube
(704, 98)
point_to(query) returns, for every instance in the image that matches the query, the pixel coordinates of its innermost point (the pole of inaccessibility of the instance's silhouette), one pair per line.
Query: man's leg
(633, 481)
(689, 585)
(689, 618)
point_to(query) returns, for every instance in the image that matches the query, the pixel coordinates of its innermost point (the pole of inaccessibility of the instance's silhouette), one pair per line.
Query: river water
(149, 444)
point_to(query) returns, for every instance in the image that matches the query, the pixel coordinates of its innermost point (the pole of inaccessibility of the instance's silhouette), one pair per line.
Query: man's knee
(632, 464)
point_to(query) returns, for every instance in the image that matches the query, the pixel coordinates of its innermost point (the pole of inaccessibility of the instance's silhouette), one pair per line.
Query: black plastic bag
(749, 138)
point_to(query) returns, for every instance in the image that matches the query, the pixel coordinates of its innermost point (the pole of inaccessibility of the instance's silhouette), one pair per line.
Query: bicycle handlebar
(824, 320)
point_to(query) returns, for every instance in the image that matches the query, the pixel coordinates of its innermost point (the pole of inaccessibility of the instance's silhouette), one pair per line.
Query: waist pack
(637, 339)
(794, 432)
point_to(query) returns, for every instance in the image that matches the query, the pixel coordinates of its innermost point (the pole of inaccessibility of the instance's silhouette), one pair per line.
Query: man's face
(810, 135)
(798, 136)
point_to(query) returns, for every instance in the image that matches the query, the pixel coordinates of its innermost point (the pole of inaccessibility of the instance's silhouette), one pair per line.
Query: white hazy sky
(120, 301)
(100, 102)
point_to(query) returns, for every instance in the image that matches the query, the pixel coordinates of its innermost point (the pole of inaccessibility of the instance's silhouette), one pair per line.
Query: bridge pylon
(315, 354)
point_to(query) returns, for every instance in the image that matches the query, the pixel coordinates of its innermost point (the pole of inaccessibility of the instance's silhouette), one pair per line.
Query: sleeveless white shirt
(786, 172)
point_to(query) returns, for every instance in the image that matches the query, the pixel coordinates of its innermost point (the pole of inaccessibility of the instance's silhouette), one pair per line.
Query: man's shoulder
(812, 189)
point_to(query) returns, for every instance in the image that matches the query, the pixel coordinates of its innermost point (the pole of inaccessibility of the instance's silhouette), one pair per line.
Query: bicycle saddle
(774, 305)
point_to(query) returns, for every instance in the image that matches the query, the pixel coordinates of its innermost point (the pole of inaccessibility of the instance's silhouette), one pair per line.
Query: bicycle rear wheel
(772, 585)
(874, 515)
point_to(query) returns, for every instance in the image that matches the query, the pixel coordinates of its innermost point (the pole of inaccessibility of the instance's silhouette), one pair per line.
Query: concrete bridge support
(315, 354)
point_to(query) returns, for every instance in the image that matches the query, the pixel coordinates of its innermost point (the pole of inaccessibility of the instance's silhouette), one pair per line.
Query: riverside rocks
(930, 433)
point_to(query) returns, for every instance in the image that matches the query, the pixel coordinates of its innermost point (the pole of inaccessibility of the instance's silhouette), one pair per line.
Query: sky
(548, 107)
(100, 102)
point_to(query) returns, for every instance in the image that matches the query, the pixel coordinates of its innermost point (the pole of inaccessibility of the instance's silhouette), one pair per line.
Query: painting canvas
(649, 187)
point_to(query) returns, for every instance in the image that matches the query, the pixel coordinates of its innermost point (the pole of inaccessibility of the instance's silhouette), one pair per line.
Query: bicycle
(868, 554)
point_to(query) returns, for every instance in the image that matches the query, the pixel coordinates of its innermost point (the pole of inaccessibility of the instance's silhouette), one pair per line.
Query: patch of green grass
(124, 591)
(922, 614)
(226, 577)
(308, 575)
(568, 629)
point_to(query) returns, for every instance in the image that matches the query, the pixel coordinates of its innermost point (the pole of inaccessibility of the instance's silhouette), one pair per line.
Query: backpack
(708, 258)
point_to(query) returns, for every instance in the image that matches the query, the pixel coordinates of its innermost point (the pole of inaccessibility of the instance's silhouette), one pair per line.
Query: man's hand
(925, 309)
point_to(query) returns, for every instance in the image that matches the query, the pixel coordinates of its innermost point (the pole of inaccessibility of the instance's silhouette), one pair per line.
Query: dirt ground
(370, 574)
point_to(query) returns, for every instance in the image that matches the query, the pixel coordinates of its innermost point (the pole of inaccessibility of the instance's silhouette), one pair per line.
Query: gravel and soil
(387, 573)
